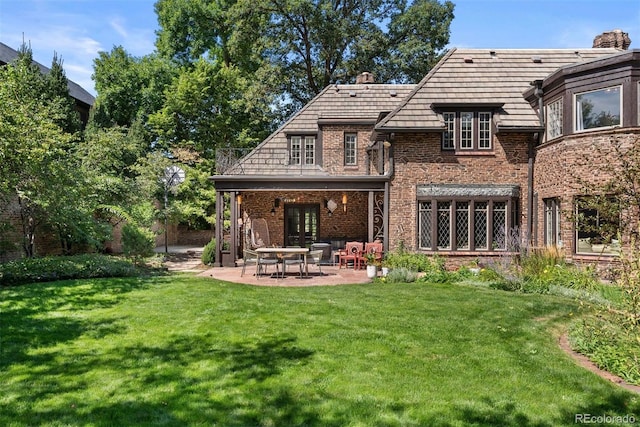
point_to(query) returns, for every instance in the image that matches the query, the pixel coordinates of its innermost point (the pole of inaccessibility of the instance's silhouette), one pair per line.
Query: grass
(180, 350)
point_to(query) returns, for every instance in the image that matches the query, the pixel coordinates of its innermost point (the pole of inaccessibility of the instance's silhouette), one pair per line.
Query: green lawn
(179, 350)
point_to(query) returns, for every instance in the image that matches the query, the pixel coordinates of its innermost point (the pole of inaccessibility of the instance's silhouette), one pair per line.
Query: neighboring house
(476, 155)
(44, 244)
(84, 100)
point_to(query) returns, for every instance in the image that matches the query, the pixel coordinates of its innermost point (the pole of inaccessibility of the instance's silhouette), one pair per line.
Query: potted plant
(372, 265)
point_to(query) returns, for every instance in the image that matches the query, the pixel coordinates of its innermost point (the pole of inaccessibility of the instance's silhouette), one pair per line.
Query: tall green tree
(301, 46)
(36, 132)
(129, 88)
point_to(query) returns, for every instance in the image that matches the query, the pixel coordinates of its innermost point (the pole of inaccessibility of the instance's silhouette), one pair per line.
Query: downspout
(387, 197)
(532, 238)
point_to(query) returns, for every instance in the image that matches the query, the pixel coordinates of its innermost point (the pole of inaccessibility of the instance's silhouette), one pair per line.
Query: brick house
(10, 213)
(475, 155)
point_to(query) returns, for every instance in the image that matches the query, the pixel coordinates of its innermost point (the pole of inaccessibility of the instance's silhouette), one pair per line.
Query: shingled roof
(344, 104)
(494, 78)
(8, 55)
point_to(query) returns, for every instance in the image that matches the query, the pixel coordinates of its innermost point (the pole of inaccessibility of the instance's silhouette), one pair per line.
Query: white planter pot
(372, 271)
(385, 271)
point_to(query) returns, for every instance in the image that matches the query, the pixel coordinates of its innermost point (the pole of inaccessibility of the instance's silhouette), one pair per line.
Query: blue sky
(78, 29)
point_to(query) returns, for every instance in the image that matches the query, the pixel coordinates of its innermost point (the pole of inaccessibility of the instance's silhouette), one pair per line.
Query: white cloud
(117, 25)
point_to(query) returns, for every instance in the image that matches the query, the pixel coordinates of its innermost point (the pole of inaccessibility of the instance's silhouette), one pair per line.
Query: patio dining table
(281, 253)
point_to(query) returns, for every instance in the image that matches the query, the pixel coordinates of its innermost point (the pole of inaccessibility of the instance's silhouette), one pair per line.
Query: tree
(35, 167)
(129, 88)
(301, 46)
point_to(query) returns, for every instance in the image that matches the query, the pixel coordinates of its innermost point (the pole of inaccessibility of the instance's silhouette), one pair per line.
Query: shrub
(137, 242)
(209, 253)
(411, 261)
(29, 270)
(401, 275)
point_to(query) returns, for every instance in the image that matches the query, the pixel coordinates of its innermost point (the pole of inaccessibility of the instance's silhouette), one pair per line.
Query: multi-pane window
(350, 146)
(296, 150)
(467, 131)
(554, 119)
(302, 150)
(599, 108)
(552, 235)
(484, 131)
(464, 225)
(448, 138)
(424, 224)
(309, 150)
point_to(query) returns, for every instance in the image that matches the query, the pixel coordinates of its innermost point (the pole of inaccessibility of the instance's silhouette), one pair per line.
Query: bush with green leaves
(30, 270)
(209, 253)
(403, 259)
(137, 242)
(401, 275)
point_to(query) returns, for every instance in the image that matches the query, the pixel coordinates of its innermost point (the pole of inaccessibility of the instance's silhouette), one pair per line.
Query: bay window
(554, 119)
(598, 108)
(597, 225)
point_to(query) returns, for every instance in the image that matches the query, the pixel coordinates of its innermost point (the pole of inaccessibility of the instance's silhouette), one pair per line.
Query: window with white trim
(467, 131)
(449, 135)
(554, 119)
(350, 149)
(302, 149)
(552, 234)
(598, 109)
(464, 225)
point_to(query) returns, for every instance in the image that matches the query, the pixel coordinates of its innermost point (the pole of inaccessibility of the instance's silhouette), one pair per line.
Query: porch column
(233, 243)
(385, 217)
(219, 226)
(370, 221)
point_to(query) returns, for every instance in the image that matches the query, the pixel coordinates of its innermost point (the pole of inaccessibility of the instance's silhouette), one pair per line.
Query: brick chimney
(364, 78)
(615, 38)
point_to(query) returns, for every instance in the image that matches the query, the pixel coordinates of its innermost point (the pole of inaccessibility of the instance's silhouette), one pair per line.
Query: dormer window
(598, 109)
(467, 131)
(302, 150)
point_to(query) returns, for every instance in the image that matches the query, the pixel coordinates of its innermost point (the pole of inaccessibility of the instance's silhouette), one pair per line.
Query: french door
(301, 224)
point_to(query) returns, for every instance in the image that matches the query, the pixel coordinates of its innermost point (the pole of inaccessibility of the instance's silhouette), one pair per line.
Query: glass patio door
(301, 224)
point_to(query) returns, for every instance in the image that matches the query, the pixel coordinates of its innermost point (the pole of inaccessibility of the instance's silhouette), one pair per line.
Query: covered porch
(298, 211)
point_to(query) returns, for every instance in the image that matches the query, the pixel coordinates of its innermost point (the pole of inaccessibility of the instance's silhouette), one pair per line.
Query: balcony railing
(228, 159)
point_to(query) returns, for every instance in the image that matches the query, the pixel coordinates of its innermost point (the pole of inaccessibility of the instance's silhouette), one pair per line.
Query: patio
(331, 276)
(187, 259)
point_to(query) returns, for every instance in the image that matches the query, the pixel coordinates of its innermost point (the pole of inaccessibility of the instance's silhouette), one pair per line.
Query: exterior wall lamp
(276, 204)
(344, 202)
(239, 199)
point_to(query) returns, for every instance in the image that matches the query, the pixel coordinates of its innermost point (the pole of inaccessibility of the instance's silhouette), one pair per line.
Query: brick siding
(420, 160)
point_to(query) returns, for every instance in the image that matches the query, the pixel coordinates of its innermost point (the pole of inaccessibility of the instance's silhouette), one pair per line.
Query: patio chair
(351, 253)
(261, 263)
(315, 258)
(290, 260)
(374, 248)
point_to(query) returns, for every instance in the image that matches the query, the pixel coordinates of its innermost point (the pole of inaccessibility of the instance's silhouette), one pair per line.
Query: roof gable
(336, 104)
(481, 77)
